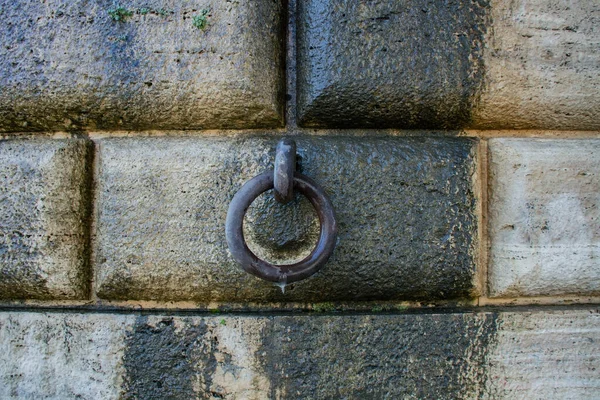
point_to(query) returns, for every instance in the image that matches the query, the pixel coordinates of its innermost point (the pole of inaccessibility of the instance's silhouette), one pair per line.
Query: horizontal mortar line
(538, 300)
(144, 133)
(366, 132)
(215, 309)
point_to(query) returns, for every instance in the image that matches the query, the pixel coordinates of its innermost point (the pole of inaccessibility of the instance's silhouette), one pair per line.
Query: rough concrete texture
(544, 217)
(500, 355)
(405, 208)
(389, 63)
(542, 66)
(70, 65)
(44, 212)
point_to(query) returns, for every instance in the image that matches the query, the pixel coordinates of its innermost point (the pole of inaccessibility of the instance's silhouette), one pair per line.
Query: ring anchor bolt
(285, 180)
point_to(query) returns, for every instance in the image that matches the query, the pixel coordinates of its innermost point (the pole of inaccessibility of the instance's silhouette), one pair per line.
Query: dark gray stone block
(44, 218)
(405, 207)
(78, 64)
(411, 64)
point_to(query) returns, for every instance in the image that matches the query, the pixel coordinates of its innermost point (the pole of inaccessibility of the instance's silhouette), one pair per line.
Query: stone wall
(458, 141)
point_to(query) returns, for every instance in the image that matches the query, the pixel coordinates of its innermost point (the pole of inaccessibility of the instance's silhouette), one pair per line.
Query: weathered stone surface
(542, 66)
(70, 65)
(62, 356)
(409, 356)
(498, 64)
(542, 354)
(544, 217)
(405, 208)
(44, 211)
(545, 355)
(389, 63)
(214, 358)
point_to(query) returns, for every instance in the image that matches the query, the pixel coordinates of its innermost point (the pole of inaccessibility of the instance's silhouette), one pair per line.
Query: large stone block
(498, 64)
(544, 214)
(406, 210)
(389, 63)
(500, 355)
(44, 218)
(71, 65)
(542, 66)
(545, 355)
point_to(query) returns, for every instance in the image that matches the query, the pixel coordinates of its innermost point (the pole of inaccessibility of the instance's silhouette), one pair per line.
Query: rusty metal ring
(282, 274)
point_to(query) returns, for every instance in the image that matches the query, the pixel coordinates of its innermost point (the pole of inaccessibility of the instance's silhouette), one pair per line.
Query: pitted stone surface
(69, 65)
(490, 355)
(389, 63)
(544, 217)
(44, 210)
(405, 208)
(62, 356)
(542, 66)
(378, 357)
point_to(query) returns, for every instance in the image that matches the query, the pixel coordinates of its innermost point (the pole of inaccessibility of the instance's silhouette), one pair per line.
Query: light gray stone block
(545, 355)
(78, 64)
(490, 355)
(44, 218)
(544, 217)
(62, 356)
(542, 66)
(406, 212)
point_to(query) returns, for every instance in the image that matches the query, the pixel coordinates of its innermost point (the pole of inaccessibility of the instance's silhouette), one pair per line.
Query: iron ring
(282, 274)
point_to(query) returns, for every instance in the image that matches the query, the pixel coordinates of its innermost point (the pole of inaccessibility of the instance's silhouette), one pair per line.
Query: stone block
(495, 355)
(61, 356)
(545, 355)
(544, 217)
(406, 212)
(542, 66)
(414, 64)
(499, 64)
(78, 64)
(44, 218)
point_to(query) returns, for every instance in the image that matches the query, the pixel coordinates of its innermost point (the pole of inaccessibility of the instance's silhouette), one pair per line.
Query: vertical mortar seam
(483, 217)
(89, 219)
(290, 65)
(284, 37)
(94, 221)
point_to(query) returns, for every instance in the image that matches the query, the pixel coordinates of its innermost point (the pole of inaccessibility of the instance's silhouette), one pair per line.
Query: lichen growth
(200, 21)
(163, 12)
(119, 14)
(323, 307)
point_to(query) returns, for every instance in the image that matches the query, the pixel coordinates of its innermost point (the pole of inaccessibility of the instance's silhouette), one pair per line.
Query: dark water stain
(392, 64)
(163, 363)
(20, 275)
(378, 357)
